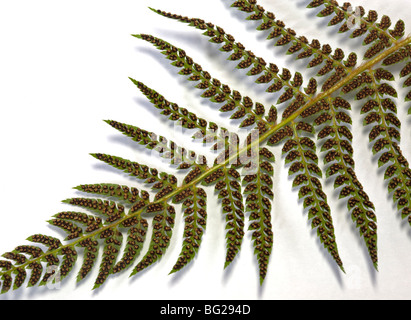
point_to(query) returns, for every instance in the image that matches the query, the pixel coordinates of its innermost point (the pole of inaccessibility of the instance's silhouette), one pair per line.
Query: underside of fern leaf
(131, 226)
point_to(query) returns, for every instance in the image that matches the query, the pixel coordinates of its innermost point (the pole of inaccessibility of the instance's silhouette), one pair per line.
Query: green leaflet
(377, 35)
(258, 195)
(112, 242)
(227, 186)
(332, 125)
(380, 114)
(136, 236)
(195, 218)
(91, 251)
(207, 131)
(163, 222)
(36, 268)
(109, 210)
(300, 153)
(330, 66)
(50, 257)
(213, 89)
(115, 191)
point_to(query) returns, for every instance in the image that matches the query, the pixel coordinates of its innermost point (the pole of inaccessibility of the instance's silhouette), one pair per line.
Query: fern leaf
(214, 90)
(91, 223)
(320, 56)
(33, 252)
(110, 210)
(136, 235)
(245, 57)
(300, 154)
(207, 131)
(161, 181)
(171, 110)
(50, 257)
(233, 208)
(195, 218)
(333, 129)
(91, 250)
(6, 278)
(112, 242)
(401, 56)
(376, 35)
(380, 114)
(73, 231)
(258, 192)
(118, 192)
(160, 240)
(227, 185)
(20, 273)
(167, 149)
(120, 216)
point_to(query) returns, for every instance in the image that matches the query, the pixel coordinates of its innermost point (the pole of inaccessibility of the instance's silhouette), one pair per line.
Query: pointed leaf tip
(134, 81)
(94, 155)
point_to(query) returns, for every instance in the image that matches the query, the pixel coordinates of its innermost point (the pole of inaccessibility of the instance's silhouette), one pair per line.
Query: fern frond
(258, 196)
(91, 251)
(402, 57)
(209, 132)
(115, 191)
(380, 113)
(136, 236)
(50, 257)
(246, 58)
(113, 239)
(135, 169)
(300, 154)
(74, 219)
(385, 135)
(195, 219)
(213, 89)
(110, 210)
(377, 35)
(186, 118)
(167, 149)
(160, 240)
(333, 129)
(111, 235)
(227, 185)
(319, 56)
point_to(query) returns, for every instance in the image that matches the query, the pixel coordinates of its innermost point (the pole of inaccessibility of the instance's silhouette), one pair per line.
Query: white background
(64, 67)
